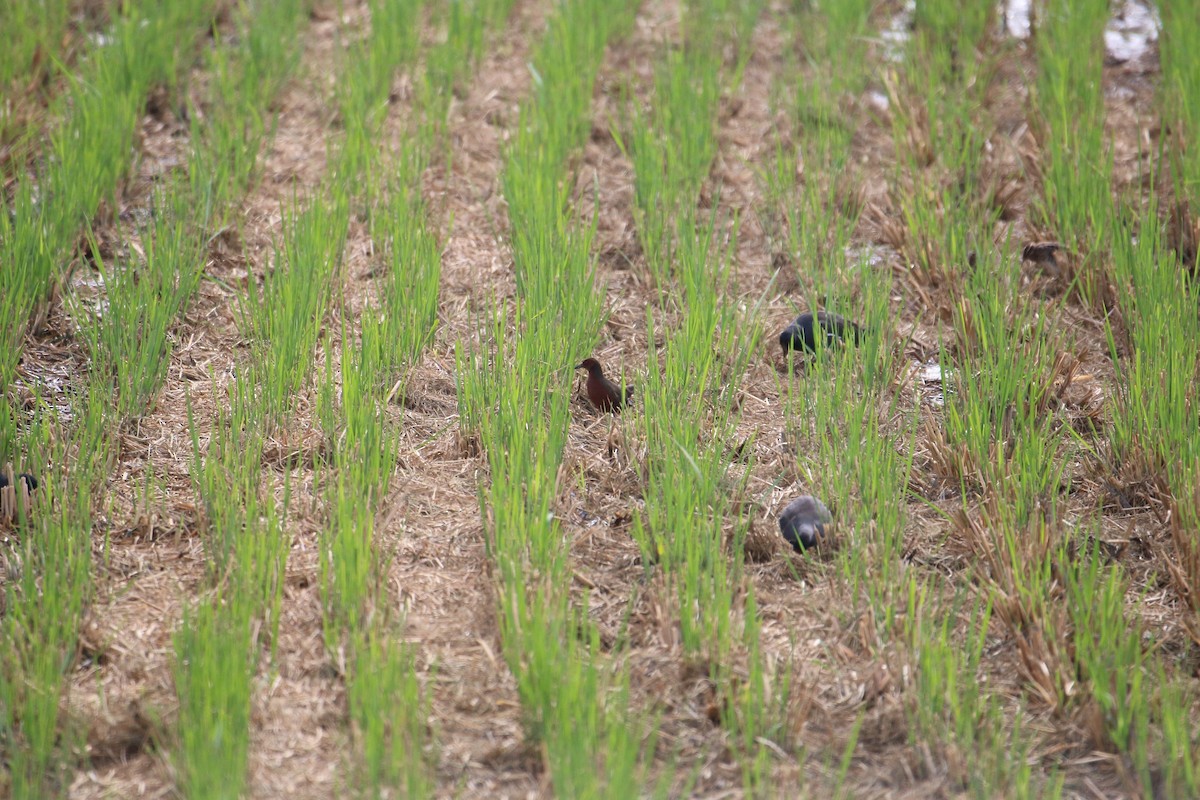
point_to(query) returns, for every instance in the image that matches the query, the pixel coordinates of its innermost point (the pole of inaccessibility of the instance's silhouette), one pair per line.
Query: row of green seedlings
(48, 564)
(672, 143)
(88, 158)
(45, 604)
(938, 109)
(1076, 156)
(218, 645)
(996, 427)
(812, 206)
(694, 524)
(1065, 608)
(940, 130)
(1156, 435)
(855, 436)
(850, 435)
(128, 338)
(365, 94)
(997, 431)
(41, 44)
(246, 76)
(1179, 55)
(387, 704)
(691, 514)
(246, 70)
(515, 395)
(391, 749)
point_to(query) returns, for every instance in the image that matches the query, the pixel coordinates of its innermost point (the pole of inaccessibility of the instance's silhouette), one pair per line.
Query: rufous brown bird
(802, 333)
(803, 522)
(604, 394)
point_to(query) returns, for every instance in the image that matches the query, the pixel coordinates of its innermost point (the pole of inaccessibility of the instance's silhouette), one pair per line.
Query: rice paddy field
(292, 293)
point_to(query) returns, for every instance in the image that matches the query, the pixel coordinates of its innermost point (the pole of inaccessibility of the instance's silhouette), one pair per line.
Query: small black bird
(803, 522)
(31, 482)
(801, 334)
(604, 394)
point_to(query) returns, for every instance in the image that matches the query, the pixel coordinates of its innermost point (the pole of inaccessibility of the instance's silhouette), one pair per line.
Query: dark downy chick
(803, 522)
(802, 333)
(604, 394)
(31, 482)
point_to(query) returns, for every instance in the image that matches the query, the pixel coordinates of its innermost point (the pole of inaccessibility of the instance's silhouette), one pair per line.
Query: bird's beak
(579, 366)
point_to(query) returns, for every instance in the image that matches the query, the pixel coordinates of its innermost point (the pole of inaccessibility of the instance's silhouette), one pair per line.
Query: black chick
(31, 482)
(803, 522)
(801, 334)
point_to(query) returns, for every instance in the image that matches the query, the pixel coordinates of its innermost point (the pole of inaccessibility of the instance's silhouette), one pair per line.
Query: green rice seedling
(940, 126)
(1069, 95)
(468, 24)
(361, 442)
(214, 680)
(90, 149)
(349, 565)
(673, 144)
(1157, 396)
(364, 454)
(148, 48)
(30, 28)
(1109, 656)
(247, 75)
(43, 610)
(227, 475)
(1001, 416)
(833, 39)
(671, 148)
(389, 709)
(1018, 552)
(404, 325)
(518, 397)
(286, 318)
(128, 336)
(33, 31)
(247, 542)
(1179, 53)
(952, 707)
(366, 79)
(820, 216)
(948, 66)
(755, 707)
(814, 207)
(21, 289)
(1179, 749)
(50, 585)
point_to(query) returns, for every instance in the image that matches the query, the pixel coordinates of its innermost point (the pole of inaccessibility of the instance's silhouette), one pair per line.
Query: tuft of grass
(287, 317)
(214, 680)
(128, 335)
(1069, 98)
